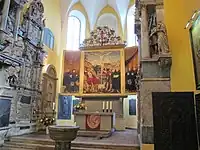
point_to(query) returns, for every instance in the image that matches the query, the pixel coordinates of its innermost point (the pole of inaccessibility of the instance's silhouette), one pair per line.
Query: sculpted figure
(7, 45)
(12, 75)
(162, 40)
(19, 48)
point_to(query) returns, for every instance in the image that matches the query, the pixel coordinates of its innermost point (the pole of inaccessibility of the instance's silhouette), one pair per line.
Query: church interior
(99, 74)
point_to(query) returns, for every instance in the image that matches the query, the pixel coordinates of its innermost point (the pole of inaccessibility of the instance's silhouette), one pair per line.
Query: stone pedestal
(63, 135)
(155, 78)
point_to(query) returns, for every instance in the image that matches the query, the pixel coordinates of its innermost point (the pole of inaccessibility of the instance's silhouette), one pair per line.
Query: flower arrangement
(46, 121)
(80, 106)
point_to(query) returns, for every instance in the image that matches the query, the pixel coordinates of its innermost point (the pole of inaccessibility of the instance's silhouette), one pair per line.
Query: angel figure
(162, 40)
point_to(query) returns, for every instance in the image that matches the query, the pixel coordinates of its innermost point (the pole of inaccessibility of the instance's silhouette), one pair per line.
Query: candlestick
(54, 104)
(103, 105)
(107, 105)
(110, 105)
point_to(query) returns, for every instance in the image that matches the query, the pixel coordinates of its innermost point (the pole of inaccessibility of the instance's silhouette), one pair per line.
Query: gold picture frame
(100, 88)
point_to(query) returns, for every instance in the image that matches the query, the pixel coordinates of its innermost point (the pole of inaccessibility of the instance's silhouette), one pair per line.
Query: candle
(107, 105)
(103, 105)
(54, 104)
(110, 105)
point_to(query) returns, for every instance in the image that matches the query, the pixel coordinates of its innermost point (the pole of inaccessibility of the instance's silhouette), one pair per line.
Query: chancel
(99, 74)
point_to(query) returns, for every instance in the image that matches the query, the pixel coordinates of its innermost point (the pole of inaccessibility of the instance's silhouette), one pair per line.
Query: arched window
(48, 38)
(76, 30)
(131, 36)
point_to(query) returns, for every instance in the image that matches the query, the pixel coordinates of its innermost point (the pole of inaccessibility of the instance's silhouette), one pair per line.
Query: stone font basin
(63, 135)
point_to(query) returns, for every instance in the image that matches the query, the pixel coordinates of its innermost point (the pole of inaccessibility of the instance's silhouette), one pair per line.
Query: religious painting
(102, 72)
(5, 105)
(195, 41)
(93, 122)
(64, 107)
(131, 68)
(71, 76)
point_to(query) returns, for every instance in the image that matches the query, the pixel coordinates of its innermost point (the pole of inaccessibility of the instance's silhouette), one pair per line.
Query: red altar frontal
(95, 123)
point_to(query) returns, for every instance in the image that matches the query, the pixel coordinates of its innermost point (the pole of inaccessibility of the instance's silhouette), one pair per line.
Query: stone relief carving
(12, 75)
(13, 48)
(159, 38)
(19, 56)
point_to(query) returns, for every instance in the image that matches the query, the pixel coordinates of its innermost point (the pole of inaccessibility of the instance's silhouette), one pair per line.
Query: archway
(49, 89)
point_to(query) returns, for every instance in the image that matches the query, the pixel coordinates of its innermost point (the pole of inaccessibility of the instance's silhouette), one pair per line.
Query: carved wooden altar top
(103, 38)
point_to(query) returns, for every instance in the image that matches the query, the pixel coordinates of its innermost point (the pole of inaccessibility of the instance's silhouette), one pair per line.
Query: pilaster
(145, 53)
(4, 15)
(160, 11)
(155, 69)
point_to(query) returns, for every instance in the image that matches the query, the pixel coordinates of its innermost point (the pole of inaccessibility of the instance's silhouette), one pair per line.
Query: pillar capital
(159, 5)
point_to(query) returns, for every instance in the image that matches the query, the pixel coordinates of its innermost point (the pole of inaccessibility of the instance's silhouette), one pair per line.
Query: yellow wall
(53, 22)
(147, 147)
(177, 14)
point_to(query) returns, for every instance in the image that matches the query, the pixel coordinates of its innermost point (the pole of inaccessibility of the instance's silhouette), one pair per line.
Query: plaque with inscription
(26, 99)
(174, 121)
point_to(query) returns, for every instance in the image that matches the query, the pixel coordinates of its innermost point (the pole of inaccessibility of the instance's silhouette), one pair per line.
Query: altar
(99, 76)
(97, 124)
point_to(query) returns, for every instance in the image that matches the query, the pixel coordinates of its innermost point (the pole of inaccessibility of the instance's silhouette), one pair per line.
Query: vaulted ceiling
(93, 8)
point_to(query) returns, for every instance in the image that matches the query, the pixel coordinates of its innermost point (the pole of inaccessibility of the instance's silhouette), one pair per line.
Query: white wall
(130, 121)
(109, 20)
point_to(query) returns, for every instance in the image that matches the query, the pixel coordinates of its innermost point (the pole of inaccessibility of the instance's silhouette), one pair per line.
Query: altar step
(22, 143)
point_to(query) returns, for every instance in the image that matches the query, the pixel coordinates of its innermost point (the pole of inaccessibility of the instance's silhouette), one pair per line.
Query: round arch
(130, 28)
(80, 16)
(50, 70)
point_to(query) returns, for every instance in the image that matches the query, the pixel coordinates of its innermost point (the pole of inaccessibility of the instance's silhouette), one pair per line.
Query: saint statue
(162, 40)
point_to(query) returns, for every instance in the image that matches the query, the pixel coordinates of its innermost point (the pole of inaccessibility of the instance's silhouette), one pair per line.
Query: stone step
(73, 148)
(20, 146)
(9, 148)
(49, 143)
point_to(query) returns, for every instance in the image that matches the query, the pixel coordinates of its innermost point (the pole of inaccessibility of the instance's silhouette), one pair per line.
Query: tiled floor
(128, 137)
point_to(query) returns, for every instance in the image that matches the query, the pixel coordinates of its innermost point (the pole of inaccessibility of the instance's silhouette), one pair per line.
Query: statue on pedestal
(160, 32)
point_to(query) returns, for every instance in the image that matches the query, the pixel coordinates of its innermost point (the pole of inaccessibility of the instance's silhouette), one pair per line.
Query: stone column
(4, 16)
(159, 12)
(145, 52)
(155, 77)
(17, 22)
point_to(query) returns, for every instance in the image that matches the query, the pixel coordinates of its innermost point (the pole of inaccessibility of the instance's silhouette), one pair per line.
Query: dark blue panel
(4, 112)
(64, 107)
(132, 106)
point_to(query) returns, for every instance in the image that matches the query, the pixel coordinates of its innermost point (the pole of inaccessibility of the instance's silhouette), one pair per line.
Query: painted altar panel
(195, 41)
(102, 72)
(131, 68)
(71, 76)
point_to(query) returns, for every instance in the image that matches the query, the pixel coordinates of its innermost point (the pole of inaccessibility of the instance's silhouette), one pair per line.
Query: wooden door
(197, 98)
(174, 121)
